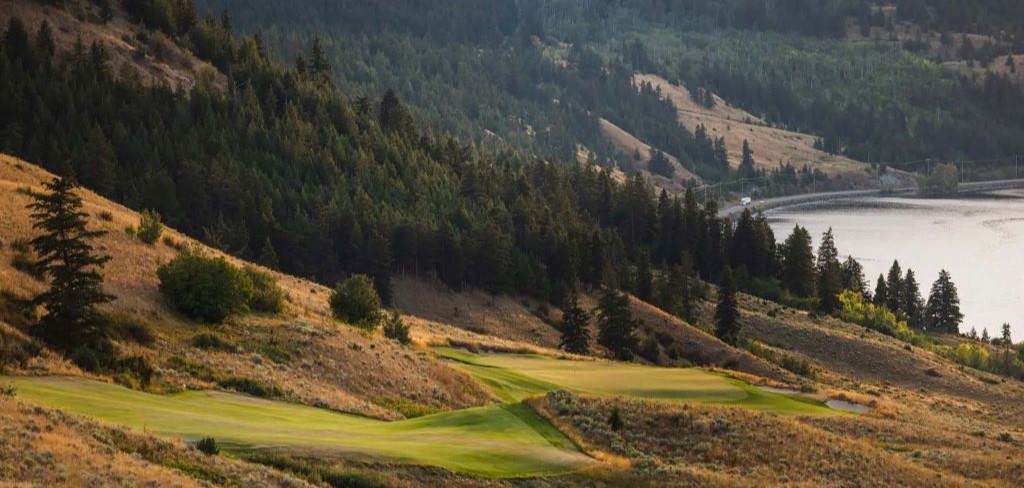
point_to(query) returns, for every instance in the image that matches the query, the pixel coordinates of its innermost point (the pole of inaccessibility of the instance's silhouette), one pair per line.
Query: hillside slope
(304, 352)
(771, 146)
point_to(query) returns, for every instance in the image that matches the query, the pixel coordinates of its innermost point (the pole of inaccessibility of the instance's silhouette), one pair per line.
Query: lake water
(978, 239)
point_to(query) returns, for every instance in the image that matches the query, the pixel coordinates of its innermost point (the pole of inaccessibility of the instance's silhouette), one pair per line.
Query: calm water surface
(979, 240)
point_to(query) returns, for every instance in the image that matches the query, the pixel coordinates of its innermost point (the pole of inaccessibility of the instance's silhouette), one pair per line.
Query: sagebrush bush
(267, 295)
(130, 328)
(251, 386)
(106, 216)
(204, 288)
(150, 227)
(355, 301)
(212, 342)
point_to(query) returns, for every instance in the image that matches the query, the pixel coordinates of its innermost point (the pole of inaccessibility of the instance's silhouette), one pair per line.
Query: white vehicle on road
(746, 201)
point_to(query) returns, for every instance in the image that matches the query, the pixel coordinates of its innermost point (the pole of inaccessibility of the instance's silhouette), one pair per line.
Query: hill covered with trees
(519, 69)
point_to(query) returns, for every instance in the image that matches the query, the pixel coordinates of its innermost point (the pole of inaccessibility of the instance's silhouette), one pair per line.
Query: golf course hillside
(466, 244)
(496, 441)
(516, 377)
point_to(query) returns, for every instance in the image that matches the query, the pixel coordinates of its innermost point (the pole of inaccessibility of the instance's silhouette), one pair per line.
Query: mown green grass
(516, 376)
(497, 441)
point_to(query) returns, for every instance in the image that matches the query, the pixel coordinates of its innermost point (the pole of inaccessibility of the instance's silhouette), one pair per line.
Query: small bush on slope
(355, 301)
(150, 227)
(267, 295)
(204, 288)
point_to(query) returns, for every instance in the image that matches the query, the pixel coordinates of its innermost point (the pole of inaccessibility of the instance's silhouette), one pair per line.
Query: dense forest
(497, 68)
(283, 169)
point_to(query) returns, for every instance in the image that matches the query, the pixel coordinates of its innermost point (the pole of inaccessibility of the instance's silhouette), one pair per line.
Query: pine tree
(67, 259)
(727, 317)
(318, 63)
(616, 328)
(912, 303)
(894, 290)
(392, 115)
(644, 278)
(746, 169)
(574, 327)
(829, 279)
(881, 291)
(268, 256)
(984, 336)
(942, 314)
(396, 329)
(853, 277)
(798, 263)
(1007, 345)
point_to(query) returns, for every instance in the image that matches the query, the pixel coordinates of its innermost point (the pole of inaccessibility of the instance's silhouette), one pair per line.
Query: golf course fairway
(497, 441)
(513, 377)
(508, 440)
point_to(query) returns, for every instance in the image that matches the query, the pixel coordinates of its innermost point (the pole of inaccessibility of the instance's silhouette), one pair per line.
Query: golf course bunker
(513, 377)
(508, 440)
(846, 406)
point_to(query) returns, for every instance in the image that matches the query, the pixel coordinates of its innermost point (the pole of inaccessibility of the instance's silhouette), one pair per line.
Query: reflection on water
(978, 239)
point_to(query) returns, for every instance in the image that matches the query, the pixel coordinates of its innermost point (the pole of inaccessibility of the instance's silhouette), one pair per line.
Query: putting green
(498, 441)
(515, 376)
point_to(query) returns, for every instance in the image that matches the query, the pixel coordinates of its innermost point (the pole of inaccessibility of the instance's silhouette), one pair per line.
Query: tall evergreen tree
(727, 315)
(616, 327)
(894, 290)
(913, 304)
(644, 278)
(747, 169)
(881, 291)
(942, 313)
(69, 261)
(853, 277)
(829, 279)
(268, 256)
(574, 327)
(798, 263)
(318, 63)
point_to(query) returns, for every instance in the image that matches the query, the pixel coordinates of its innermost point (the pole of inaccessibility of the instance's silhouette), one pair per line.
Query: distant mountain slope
(771, 146)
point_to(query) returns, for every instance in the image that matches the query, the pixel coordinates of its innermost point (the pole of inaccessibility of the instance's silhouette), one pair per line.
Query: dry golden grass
(770, 145)
(314, 359)
(42, 447)
(628, 143)
(515, 319)
(721, 446)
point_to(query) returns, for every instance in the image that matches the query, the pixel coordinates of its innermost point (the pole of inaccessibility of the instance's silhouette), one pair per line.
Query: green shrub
(208, 446)
(130, 328)
(355, 301)
(15, 351)
(134, 372)
(150, 227)
(106, 216)
(250, 386)
(212, 342)
(396, 329)
(204, 288)
(267, 295)
(86, 359)
(7, 390)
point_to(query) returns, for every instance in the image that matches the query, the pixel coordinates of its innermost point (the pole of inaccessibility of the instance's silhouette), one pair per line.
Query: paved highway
(770, 203)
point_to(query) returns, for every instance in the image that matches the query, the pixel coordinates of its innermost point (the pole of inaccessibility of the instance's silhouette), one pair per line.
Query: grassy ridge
(514, 377)
(497, 441)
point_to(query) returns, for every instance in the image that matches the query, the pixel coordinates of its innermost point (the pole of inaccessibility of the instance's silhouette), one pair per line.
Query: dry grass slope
(314, 359)
(770, 145)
